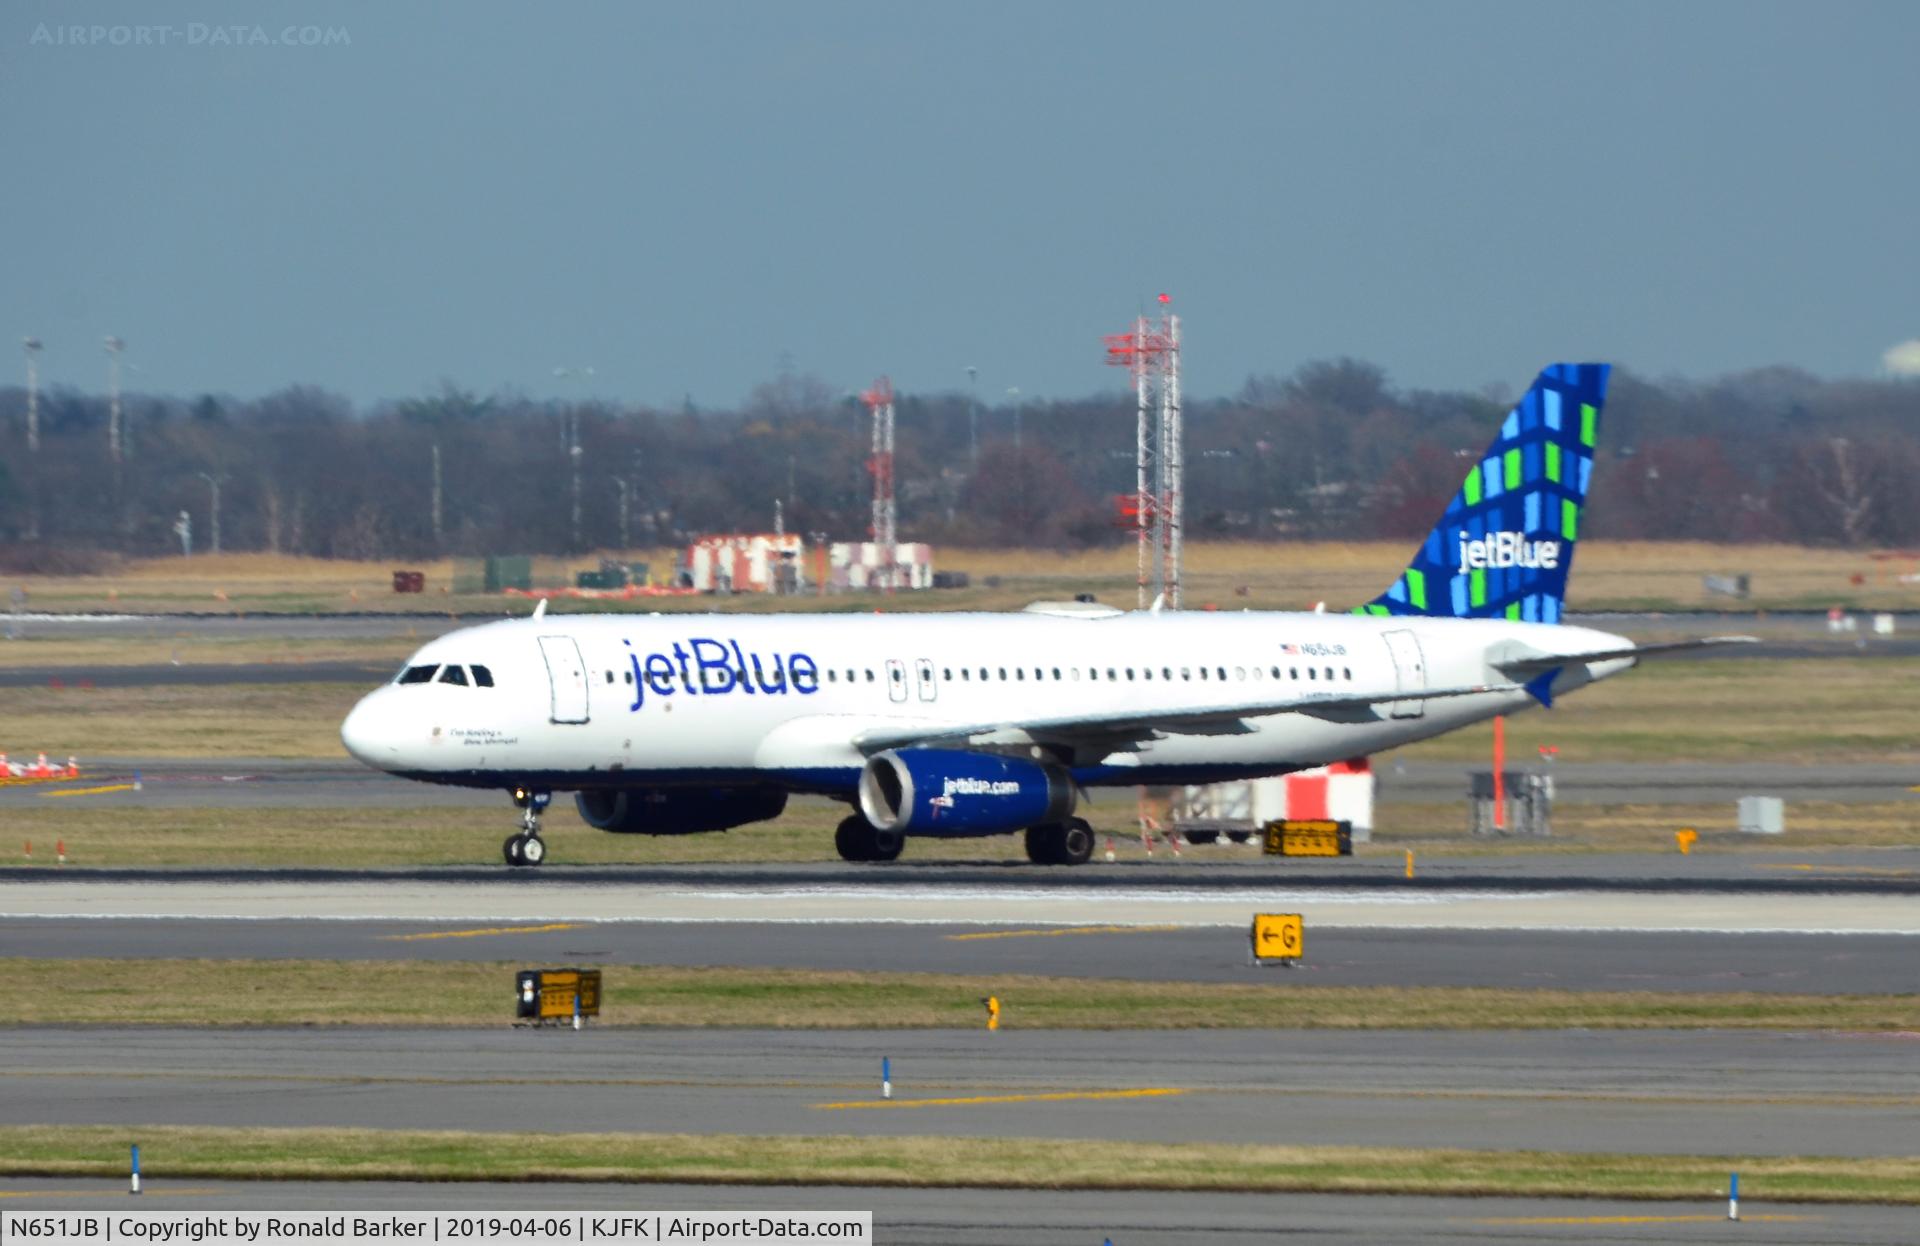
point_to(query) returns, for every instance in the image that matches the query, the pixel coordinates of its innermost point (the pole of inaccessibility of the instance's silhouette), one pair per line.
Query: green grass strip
(211, 1153)
(417, 993)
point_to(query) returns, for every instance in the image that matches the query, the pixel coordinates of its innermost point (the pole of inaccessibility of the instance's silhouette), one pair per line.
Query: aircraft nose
(364, 735)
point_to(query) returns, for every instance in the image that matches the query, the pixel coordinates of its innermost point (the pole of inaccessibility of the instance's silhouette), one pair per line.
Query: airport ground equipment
(1762, 815)
(555, 996)
(1308, 837)
(1528, 800)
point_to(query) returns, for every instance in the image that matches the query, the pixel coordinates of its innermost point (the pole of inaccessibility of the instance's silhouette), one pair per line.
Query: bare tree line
(1330, 451)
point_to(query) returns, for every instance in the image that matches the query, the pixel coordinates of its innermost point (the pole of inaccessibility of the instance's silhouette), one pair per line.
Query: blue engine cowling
(930, 791)
(678, 810)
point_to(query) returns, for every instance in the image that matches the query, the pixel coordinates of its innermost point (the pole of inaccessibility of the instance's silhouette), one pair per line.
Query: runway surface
(937, 1217)
(343, 783)
(1539, 960)
(1677, 1093)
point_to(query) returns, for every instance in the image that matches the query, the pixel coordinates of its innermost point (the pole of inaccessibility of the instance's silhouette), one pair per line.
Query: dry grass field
(201, 1153)
(1609, 576)
(467, 993)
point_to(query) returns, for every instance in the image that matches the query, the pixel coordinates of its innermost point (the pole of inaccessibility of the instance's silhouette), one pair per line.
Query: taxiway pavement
(950, 1217)
(1510, 960)
(1694, 1093)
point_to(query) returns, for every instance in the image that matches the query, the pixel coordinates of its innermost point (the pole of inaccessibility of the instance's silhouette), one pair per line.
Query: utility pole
(973, 418)
(574, 453)
(114, 346)
(213, 487)
(439, 544)
(32, 348)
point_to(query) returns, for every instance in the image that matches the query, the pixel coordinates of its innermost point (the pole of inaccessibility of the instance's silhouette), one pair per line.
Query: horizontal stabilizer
(1532, 663)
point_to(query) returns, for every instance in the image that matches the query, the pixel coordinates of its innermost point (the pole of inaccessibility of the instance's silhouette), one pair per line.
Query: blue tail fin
(1505, 544)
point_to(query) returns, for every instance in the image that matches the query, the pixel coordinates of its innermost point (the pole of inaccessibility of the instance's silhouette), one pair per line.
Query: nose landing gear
(526, 847)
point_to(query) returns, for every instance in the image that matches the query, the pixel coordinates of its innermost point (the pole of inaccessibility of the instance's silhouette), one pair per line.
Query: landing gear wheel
(1076, 842)
(850, 839)
(527, 848)
(1042, 845)
(1063, 843)
(857, 839)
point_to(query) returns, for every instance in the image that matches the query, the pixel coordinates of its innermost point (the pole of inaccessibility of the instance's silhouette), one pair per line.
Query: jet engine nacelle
(929, 791)
(679, 811)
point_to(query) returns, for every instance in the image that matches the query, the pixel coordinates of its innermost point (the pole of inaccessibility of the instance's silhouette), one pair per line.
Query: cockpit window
(482, 677)
(454, 675)
(417, 674)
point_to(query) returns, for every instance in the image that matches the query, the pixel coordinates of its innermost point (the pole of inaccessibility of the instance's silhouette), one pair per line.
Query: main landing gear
(1062, 843)
(859, 840)
(525, 847)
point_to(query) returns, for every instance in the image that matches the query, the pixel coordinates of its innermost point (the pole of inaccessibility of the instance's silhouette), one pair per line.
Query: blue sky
(684, 197)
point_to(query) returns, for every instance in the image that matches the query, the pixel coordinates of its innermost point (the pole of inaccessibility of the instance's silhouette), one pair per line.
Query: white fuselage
(609, 701)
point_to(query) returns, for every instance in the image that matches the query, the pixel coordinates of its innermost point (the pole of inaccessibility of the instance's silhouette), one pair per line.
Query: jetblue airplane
(988, 724)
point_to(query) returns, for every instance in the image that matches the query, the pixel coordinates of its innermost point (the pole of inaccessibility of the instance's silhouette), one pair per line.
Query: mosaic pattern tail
(1505, 544)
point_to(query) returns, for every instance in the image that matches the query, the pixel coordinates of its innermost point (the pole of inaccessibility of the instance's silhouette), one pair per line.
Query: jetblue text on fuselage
(703, 666)
(1507, 549)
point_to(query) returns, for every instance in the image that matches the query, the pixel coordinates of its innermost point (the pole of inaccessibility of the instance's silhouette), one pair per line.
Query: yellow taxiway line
(1149, 1092)
(91, 791)
(475, 934)
(1058, 931)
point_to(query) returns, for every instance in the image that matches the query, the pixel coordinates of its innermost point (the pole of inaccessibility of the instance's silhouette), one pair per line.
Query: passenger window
(1310, 674)
(1056, 672)
(1076, 672)
(1293, 672)
(1019, 673)
(1203, 672)
(483, 678)
(1186, 672)
(1346, 672)
(1129, 672)
(898, 674)
(869, 675)
(1003, 672)
(417, 675)
(1146, 672)
(833, 676)
(1329, 672)
(1276, 672)
(454, 675)
(1093, 672)
(1239, 672)
(1166, 672)
(1221, 671)
(609, 676)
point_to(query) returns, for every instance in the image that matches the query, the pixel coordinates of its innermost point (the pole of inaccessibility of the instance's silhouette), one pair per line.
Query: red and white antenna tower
(1151, 354)
(885, 533)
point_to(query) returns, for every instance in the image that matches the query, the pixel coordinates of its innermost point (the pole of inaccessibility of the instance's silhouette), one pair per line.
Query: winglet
(540, 611)
(1540, 687)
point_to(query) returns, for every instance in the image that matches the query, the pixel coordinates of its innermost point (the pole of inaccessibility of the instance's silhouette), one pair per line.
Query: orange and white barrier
(39, 770)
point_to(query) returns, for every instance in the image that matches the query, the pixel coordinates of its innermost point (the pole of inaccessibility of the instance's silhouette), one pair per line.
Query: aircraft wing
(1532, 663)
(1120, 727)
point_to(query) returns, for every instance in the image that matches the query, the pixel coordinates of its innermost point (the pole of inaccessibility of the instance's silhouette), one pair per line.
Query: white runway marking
(509, 904)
